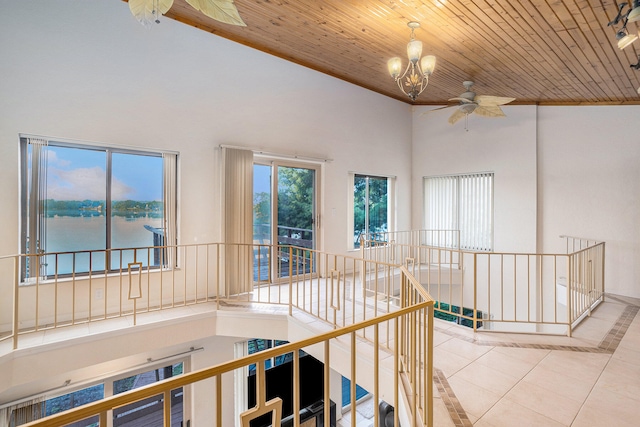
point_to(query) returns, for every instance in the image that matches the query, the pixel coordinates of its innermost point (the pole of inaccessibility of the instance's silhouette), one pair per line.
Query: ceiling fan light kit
(416, 76)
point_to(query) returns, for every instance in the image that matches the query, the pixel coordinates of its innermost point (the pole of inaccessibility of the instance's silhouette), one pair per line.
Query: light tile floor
(495, 380)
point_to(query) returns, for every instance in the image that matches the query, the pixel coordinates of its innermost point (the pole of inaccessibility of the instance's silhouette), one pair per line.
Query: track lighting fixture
(623, 36)
(634, 13)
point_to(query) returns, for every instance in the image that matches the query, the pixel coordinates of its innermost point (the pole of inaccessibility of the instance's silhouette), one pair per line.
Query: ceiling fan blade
(493, 111)
(457, 115)
(437, 109)
(492, 101)
(144, 10)
(463, 100)
(220, 10)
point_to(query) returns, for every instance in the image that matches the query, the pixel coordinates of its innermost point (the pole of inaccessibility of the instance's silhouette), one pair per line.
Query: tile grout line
(456, 411)
(608, 345)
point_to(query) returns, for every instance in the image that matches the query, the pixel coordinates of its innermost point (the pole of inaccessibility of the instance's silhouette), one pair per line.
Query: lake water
(66, 233)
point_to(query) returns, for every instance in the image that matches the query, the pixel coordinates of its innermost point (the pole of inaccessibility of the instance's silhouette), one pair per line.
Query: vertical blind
(22, 413)
(170, 194)
(461, 202)
(238, 219)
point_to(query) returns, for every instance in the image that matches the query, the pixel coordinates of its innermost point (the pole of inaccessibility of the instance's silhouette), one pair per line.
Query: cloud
(84, 184)
(53, 159)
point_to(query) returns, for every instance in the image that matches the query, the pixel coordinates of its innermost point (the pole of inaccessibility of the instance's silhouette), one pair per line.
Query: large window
(141, 413)
(79, 198)
(370, 206)
(461, 202)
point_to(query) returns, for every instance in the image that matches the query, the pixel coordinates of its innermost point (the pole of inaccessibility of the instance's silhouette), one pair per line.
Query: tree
(295, 197)
(369, 198)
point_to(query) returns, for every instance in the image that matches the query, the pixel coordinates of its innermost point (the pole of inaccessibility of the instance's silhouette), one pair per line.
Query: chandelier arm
(417, 84)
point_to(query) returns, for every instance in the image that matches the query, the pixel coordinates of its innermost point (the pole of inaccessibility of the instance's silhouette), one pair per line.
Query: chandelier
(415, 78)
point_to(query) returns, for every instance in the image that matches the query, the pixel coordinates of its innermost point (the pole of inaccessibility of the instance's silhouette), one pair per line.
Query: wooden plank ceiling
(547, 52)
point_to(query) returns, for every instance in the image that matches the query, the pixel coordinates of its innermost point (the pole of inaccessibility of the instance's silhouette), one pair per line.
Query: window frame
(109, 150)
(457, 213)
(351, 243)
(107, 381)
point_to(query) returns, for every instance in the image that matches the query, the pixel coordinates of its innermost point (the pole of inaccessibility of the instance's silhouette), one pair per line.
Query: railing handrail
(471, 252)
(112, 402)
(414, 303)
(583, 265)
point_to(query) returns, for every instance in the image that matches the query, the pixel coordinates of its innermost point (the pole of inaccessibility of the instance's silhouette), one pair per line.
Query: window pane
(136, 208)
(75, 208)
(75, 399)
(370, 211)
(359, 208)
(377, 205)
(65, 190)
(261, 221)
(296, 205)
(148, 411)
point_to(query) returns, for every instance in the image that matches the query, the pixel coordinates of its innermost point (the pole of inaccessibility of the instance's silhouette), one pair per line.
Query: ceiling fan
(149, 11)
(482, 105)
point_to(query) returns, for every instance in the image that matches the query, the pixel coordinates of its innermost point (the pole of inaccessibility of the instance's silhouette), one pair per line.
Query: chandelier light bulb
(414, 50)
(427, 64)
(395, 66)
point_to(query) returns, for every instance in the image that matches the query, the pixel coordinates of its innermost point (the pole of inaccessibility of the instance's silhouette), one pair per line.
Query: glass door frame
(275, 164)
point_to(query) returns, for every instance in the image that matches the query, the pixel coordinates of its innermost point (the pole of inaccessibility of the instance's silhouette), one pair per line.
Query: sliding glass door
(287, 192)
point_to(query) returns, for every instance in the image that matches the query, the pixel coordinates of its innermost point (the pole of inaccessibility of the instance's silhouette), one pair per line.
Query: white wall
(589, 185)
(505, 146)
(89, 71)
(558, 171)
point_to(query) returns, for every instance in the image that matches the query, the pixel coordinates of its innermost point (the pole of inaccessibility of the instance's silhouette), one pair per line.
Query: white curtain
(170, 211)
(476, 211)
(23, 412)
(37, 195)
(238, 220)
(462, 202)
(441, 202)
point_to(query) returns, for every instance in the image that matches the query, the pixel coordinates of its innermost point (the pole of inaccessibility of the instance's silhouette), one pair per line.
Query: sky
(262, 178)
(79, 174)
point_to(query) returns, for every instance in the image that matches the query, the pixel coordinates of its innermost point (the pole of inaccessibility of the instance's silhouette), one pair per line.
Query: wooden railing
(519, 292)
(364, 301)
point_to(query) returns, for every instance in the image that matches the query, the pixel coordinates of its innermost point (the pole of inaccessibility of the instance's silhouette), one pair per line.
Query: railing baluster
(16, 302)
(327, 383)
(167, 408)
(219, 400)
